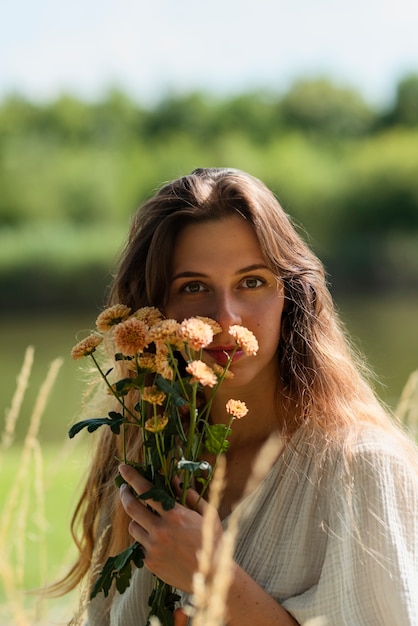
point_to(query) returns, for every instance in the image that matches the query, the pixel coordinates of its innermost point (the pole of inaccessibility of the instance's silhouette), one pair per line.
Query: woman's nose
(226, 311)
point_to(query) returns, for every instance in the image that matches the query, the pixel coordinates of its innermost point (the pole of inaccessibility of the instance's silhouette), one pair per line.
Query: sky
(150, 48)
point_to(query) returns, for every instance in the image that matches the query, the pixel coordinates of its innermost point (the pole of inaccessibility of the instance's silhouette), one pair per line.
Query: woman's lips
(222, 355)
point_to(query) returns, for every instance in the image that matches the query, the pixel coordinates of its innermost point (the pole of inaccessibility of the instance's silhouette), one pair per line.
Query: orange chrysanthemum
(147, 362)
(166, 331)
(215, 326)
(86, 346)
(197, 333)
(236, 408)
(156, 424)
(111, 316)
(131, 336)
(153, 395)
(162, 365)
(149, 315)
(244, 338)
(202, 373)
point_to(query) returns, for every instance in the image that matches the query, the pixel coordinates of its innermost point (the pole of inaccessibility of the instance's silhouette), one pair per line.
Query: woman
(331, 529)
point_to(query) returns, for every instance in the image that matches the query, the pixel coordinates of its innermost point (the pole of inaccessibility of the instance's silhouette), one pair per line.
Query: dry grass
(407, 409)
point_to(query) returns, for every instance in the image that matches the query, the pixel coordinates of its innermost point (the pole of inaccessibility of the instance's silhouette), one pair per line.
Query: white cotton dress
(351, 560)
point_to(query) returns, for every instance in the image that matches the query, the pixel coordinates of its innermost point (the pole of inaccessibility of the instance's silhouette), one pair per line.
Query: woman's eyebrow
(244, 270)
(189, 274)
(252, 268)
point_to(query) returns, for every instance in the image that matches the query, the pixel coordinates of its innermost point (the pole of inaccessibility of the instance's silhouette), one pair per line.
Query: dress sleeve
(370, 570)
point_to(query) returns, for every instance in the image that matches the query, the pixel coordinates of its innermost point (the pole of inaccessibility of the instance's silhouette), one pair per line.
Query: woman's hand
(171, 539)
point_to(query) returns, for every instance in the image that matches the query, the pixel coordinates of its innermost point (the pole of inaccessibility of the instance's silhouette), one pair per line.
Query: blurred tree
(74, 164)
(189, 114)
(67, 119)
(322, 108)
(10, 201)
(254, 115)
(18, 118)
(381, 189)
(117, 119)
(405, 110)
(376, 219)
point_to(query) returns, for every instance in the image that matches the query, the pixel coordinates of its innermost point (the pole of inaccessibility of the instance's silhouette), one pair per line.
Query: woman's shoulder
(377, 464)
(367, 453)
(385, 447)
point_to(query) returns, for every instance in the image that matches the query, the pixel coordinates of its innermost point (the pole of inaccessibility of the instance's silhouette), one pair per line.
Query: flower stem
(206, 484)
(112, 391)
(190, 440)
(123, 432)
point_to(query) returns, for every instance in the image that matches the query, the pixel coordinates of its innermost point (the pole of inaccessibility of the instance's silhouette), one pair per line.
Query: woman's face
(219, 271)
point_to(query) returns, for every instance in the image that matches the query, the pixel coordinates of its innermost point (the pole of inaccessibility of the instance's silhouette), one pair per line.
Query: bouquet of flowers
(161, 396)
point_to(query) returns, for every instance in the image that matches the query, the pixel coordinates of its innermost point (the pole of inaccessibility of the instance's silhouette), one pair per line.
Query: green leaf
(145, 470)
(115, 420)
(138, 557)
(120, 560)
(162, 602)
(118, 568)
(119, 481)
(123, 579)
(104, 580)
(123, 386)
(159, 495)
(216, 438)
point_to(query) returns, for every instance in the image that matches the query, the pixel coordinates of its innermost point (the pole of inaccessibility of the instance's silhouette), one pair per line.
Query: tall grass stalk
(16, 510)
(13, 413)
(407, 409)
(215, 559)
(208, 600)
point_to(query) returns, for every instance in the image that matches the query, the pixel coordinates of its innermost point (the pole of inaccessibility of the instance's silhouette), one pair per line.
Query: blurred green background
(72, 172)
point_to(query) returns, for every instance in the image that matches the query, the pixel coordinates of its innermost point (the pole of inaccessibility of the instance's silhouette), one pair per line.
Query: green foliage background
(72, 173)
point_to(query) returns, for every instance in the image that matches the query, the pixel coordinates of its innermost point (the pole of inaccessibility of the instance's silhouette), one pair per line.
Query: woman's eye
(252, 283)
(193, 288)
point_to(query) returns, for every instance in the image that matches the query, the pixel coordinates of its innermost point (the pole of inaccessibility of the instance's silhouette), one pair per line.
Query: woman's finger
(180, 618)
(134, 478)
(140, 485)
(137, 511)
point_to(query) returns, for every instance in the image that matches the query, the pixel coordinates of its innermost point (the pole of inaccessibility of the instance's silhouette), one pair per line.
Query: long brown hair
(324, 380)
(317, 363)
